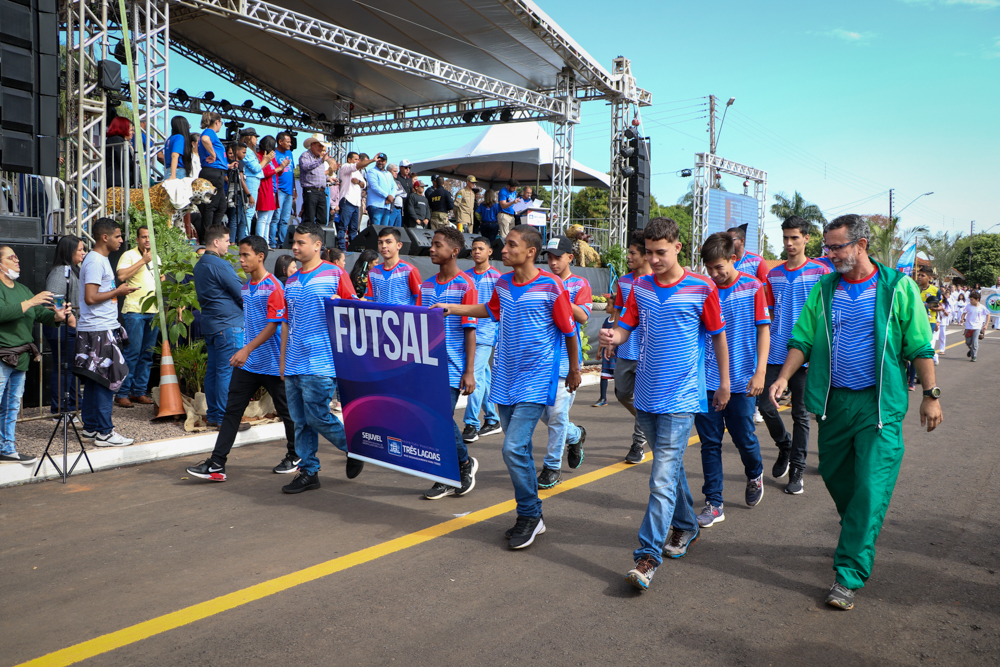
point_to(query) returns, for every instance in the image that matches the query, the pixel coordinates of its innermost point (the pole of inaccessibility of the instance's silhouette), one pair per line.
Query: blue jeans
(378, 216)
(518, 422)
(561, 429)
(139, 353)
(395, 217)
(237, 224)
(738, 418)
(221, 347)
(309, 399)
(281, 217)
(478, 398)
(347, 228)
(264, 219)
(67, 336)
(95, 408)
(670, 502)
(248, 225)
(12, 388)
(460, 446)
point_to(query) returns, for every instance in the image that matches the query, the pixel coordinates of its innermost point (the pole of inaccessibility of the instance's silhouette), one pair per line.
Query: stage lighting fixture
(685, 173)
(265, 112)
(248, 104)
(626, 150)
(182, 96)
(339, 130)
(321, 118)
(305, 119)
(486, 116)
(506, 115)
(631, 134)
(208, 95)
(289, 111)
(469, 116)
(119, 53)
(226, 106)
(628, 172)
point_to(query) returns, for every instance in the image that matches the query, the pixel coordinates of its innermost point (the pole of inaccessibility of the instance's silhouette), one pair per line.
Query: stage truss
(706, 168)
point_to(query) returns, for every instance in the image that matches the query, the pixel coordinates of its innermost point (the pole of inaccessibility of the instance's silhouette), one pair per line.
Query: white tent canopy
(515, 150)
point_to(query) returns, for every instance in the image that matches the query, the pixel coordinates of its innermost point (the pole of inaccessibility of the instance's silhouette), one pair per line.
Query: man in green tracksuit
(859, 328)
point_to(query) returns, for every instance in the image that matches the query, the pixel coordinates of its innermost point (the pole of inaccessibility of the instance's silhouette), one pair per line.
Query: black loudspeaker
(48, 33)
(109, 75)
(16, 26)
(18, 152)
(497, 249)
(22, 229)
(48, 156)
(17, 67)
(329, 237)
(638, 185)
(467, 250)
(420, 240)
(367, 239)
(17, 110)
(48, 75)
(47, 108)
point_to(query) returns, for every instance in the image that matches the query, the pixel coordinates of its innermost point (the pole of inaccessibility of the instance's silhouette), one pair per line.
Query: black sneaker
(780, 468)
(439, 491)
(489, 428)
(524, 531)
(574, 454)
(17, 458)
(288, 464)
(755, 490)
(794, 485)
(637, 454)
(302, 482)
(840, 597)
(208, 470)
(470, 434)
(468, 472)
(548, 478)
(354, 467)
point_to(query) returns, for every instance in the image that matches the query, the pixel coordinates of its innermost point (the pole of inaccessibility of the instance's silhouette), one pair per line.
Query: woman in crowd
(177, 152)
(489, 227)
(19, 310)
(195, 171)
(120, 167)
(267, 200)
(213, 169)
(64, 279)
(359, 274)
(284, 267)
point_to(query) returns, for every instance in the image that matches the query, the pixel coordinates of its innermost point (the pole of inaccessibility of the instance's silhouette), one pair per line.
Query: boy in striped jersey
(674, 309)
(563, 432)
(393, 281)
(536, 313)
(255, 365)
(485, 277)
(451, 286)
(744, 308)
(628, 352)
(746, 261)
(788, 286)
(307, 358)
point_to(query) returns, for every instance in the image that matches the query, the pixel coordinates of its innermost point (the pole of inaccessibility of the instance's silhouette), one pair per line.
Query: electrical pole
(711, 124)
(972, 238)
(890, 206)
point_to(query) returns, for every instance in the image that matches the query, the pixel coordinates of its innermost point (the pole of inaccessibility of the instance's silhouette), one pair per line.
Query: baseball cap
(558, 246)
(382, 156)
(405, 163)
(248, 132)
(471, 179)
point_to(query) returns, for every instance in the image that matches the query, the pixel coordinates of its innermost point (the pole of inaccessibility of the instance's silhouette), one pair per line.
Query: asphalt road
(140, 558)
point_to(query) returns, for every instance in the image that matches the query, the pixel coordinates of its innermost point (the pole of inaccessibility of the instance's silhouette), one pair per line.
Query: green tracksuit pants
(859, 465)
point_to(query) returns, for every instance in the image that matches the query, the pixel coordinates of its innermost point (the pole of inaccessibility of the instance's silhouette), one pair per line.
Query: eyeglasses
(13, 258)
(837, 247)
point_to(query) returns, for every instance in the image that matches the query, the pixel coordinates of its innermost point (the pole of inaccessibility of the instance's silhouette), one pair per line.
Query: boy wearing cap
(559, 252)
(465, 204)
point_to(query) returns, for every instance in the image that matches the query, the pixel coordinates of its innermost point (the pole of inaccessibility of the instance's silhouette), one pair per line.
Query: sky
(839, 101)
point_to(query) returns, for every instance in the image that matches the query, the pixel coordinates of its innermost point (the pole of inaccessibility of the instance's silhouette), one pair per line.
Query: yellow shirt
(143, 279)
(924, 293)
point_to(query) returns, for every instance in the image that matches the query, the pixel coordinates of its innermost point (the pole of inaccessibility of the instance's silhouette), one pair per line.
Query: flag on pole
(908, 259)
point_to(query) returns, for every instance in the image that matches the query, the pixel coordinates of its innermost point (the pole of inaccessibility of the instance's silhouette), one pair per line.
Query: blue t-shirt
(308, 350)
(630, 349)
(220, 151)
(670, 376)
(852, 361)
(175, 144)
(262, 303)
(286, 181)
(744, 307)
(579, 295)
(399, 285)
(504, 195)
(458, 290)
(486, 282)
(787, 292)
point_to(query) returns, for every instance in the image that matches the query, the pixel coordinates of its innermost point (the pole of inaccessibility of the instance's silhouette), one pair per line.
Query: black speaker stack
(638, 185)
(367, 239)
(29, 86)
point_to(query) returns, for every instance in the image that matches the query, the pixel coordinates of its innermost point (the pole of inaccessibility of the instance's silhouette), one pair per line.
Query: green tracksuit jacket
(902, 334)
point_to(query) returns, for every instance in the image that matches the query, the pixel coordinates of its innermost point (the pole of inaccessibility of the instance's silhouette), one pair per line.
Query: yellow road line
(197, 612)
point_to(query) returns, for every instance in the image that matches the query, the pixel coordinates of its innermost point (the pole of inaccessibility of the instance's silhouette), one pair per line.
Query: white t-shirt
(975, 316)
(96, 270)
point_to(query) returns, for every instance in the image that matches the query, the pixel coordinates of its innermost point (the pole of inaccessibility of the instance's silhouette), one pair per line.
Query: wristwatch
(933, 392)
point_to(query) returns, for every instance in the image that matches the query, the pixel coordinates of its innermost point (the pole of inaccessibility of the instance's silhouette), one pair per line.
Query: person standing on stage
(682, 310)
(857, 331)
(285, 189)
(485, 278)
(381, 192)
(788, 287)
(465, 205)
(393, 281)
(451, 286)
(507, 198)
(534, 312)
(307, 360)
(352, 180)
(441, 203)
(313, 164)
(255, 365)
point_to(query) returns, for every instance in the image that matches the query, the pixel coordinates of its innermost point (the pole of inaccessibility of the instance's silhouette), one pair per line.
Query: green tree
(768, 253)
(684, 221)
(783, 207)
(590, 203)
(889, 239)
(943, 250)
(985, 261)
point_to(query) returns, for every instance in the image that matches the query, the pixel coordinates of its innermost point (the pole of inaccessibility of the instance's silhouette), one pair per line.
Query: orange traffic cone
(170, 392)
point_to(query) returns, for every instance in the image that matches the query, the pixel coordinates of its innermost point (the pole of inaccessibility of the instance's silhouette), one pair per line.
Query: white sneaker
(757, 417)
(112, 439)
(935, 359)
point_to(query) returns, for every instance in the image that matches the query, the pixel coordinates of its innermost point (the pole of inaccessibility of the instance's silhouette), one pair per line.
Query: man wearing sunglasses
(857, 331)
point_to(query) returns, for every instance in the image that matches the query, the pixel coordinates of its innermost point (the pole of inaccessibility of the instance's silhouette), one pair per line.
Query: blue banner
(908, 259)
(728, 209)
(392, 372)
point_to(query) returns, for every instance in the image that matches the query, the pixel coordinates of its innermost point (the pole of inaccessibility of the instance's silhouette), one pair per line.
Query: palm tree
(943, 249)
(888, 240)
(783, 207)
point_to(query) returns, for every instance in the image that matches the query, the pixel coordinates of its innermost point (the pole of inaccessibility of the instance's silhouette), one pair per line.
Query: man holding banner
(307, 358)
(534, 312)
(451, 286)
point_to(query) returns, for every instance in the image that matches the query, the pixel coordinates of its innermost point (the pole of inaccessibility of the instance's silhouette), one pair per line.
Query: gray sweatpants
(973, 341)
(624, 390)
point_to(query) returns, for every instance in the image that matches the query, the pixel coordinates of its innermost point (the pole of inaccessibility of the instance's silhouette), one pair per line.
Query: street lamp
(724, 112)
(914, 199)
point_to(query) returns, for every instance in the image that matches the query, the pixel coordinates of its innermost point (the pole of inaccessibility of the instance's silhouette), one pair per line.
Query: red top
(266, 201)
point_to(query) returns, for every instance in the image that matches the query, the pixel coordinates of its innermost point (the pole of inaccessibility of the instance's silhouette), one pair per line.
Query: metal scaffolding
(623, 105)
(706, 166)
(562, 153)
(150, 22)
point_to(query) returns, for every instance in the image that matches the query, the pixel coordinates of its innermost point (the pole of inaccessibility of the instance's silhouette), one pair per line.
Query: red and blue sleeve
(619, 298)
(562, 314)
(769, 293)
(760, 315)
(762, 270)
(345, 290)
(584, 297)
(470, 298)
(276, 311)
(711, 313)
(369, 292)
(493, 306)
(629, 319)
(415, 283)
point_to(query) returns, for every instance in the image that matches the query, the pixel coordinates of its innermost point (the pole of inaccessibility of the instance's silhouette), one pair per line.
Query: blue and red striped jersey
(787, 292)
(852, 362)
(744, 307)
(461, 290)
(630, 350)
(674, 320)
(533, 317)
(753, 264)
(308, 350)
(399, 285)
(263, 302)
(579, 295)
(486, 282)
